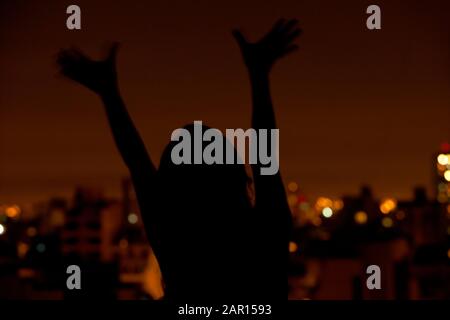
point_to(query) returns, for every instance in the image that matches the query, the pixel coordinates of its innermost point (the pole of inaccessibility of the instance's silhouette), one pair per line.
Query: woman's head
(206, 220)
(203, 185)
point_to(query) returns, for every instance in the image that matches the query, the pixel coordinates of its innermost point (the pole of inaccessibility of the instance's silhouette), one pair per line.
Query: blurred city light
(292, 186)
(443, 159)
(123, 244)
(31, 231)
(2, 229)
(361, 217)
(388, 205)
(327, 212)
(132, 218)
(442, 198)
(400, 215)
(304, 206)
(41, 247)
(338, 204)
(324, 202)
(293, 247)
(387, 222)
(12, 211)
(442, 187)
(447, 175)
(22, 249)
(292, 200)
(445, 147)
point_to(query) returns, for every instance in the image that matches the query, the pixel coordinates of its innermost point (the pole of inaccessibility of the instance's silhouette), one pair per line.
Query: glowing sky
(353, 106)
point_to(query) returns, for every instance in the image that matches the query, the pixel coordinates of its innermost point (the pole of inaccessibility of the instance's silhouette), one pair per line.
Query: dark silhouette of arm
(134, 154)
(101, 77)
(269, 189)
(259, 58)
(127, 138)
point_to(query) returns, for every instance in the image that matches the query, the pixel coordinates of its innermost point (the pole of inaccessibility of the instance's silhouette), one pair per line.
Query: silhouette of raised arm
(259, 57)
(100, 76)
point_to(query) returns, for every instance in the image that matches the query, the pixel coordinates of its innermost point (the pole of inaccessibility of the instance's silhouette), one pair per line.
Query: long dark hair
(207, 218)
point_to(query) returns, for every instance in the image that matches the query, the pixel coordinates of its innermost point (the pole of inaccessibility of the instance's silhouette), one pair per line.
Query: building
(441, 174)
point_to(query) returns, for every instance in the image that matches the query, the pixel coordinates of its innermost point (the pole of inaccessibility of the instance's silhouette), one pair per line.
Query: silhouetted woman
(212, 244)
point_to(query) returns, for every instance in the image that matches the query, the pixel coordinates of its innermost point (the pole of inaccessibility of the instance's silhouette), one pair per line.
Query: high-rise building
(90, 225)
(441, 169)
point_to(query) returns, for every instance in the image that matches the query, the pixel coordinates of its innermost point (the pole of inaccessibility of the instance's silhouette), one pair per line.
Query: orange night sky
(353, 106)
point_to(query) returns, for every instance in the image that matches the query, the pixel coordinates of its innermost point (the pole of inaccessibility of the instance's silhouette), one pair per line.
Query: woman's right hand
(99, 76)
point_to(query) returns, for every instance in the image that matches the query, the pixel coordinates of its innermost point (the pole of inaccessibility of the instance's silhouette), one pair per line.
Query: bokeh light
(388, 205)
(361, 217)
(400, 215)
(292, 200)
(447, 175)
(293, 186)
(293, 247)
(132, 218)
(31, 231)
(41, 247)
(323, 202)
(443, 159)
(387, 222)
(12, 211)
(327, 212)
